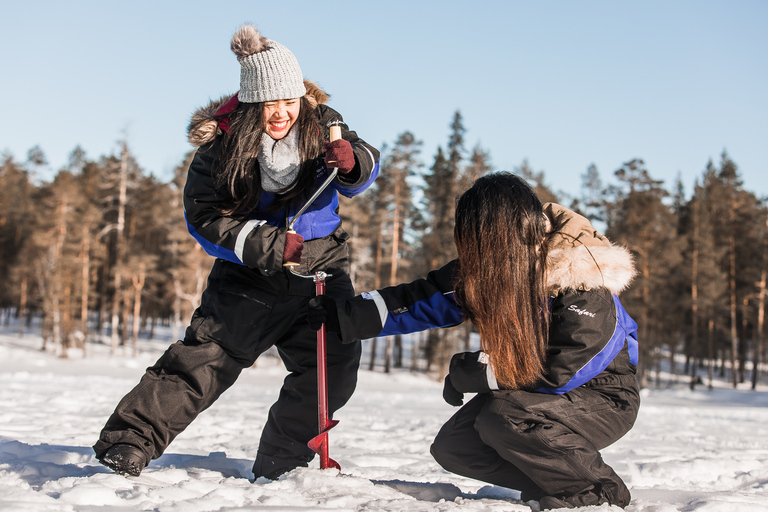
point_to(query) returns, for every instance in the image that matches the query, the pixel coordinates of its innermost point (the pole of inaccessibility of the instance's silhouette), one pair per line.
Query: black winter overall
(243, 313)
(541, 444)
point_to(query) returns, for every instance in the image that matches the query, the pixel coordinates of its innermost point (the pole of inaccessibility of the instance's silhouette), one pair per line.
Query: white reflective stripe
(491, 378)
(247, 228)
(482, 357)
(376, 297)
(373, 160)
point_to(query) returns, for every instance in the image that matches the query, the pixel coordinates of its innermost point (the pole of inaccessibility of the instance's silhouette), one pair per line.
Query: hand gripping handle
(335, 135)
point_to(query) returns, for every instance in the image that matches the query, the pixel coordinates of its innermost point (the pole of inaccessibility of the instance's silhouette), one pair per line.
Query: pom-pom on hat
(268, 70)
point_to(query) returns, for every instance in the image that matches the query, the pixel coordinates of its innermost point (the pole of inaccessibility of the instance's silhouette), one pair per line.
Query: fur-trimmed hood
(580, 258)
(204, 125)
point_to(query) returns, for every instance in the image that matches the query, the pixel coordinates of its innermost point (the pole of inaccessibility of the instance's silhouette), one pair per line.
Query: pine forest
(101, 254)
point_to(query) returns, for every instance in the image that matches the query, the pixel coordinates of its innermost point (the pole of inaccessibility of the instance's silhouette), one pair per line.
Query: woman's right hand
(450, 394)
(322, 310)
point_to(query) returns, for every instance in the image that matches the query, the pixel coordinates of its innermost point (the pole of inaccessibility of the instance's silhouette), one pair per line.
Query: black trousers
(543, 445)
(243, 313)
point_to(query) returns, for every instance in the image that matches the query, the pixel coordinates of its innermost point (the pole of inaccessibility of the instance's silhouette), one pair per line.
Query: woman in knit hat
(261, 155)
(555, 379)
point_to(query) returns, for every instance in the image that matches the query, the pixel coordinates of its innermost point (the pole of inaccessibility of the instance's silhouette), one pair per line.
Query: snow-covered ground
(689, 451)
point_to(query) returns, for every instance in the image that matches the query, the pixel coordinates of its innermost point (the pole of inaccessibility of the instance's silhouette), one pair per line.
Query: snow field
(689, 451)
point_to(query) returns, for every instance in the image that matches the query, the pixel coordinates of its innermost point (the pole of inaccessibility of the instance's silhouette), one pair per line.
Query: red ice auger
(319, 443)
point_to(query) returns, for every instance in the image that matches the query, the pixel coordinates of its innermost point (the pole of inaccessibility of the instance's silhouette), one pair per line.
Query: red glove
(339, 154)
(294, 244)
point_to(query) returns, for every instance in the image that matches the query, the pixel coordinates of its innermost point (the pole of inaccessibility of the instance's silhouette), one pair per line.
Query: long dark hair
(238, 173)
(499, 234)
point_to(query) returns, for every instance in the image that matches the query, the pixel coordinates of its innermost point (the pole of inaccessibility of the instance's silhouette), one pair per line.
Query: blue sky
(563, 84)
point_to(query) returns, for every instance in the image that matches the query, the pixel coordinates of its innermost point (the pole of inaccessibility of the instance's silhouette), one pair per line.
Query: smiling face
(279, 116)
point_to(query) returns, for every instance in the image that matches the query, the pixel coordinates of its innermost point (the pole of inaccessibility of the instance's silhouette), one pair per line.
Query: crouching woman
(555, 379)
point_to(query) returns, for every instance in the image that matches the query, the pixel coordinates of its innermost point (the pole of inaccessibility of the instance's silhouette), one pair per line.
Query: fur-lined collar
(204, 124)
(580, 258)
(584, 268)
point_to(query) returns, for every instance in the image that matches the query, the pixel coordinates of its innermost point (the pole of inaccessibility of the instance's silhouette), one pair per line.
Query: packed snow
(695, 450)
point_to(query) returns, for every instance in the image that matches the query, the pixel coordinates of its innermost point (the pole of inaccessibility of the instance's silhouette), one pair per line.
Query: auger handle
(335, 134)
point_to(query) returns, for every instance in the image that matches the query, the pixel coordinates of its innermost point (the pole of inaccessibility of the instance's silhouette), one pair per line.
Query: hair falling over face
(501, 288)
(238, 172)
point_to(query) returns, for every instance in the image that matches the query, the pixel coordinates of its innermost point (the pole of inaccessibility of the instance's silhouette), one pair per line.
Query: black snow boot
(124, 459)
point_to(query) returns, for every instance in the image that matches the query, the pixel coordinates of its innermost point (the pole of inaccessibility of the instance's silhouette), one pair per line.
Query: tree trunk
(398, 351)
(85, 282)
(23, 303)
(377, 261)
(138, 285)
(126, 313)
(372, 362)
(56, 277)
(416, 342)
(758, 353)
(447, 349)
(395, 245)
(355, 229)
(743, 341)
(711, 352)
(116, 312)
(377, 283)
(55, 321)
(398, 342)
(432, 349)
(387, 353)
(119, 229)
(732, 280)
(644, 319)
(467, 336)
(672, 355)
(66, 322)
(693, 344)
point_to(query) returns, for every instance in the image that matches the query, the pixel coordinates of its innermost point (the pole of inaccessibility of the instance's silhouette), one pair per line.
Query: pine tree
(393, 211)
(120, 178)
(440, 192)
(640, 220)
(737, 217)
(592, 194)
(479, 165)
(357, 216)
(57, 257)
(185, 261)
(16, 225)
(91, 249)
(537, 181)
(709, 282)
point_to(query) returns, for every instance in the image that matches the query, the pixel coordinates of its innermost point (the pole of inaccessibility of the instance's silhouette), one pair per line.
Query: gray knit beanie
(268, 70)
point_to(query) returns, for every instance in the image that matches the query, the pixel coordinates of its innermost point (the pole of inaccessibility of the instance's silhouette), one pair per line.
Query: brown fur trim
(571, 229)
(203, 128)
(315, 94)
(584, 268)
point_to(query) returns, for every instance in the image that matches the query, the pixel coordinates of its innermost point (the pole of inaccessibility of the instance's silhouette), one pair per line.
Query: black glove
(322, 310)
(468, 374)
(450, 395)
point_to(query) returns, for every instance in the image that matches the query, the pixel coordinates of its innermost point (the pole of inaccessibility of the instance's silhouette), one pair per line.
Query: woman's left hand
(339, 154)
(294, 245)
